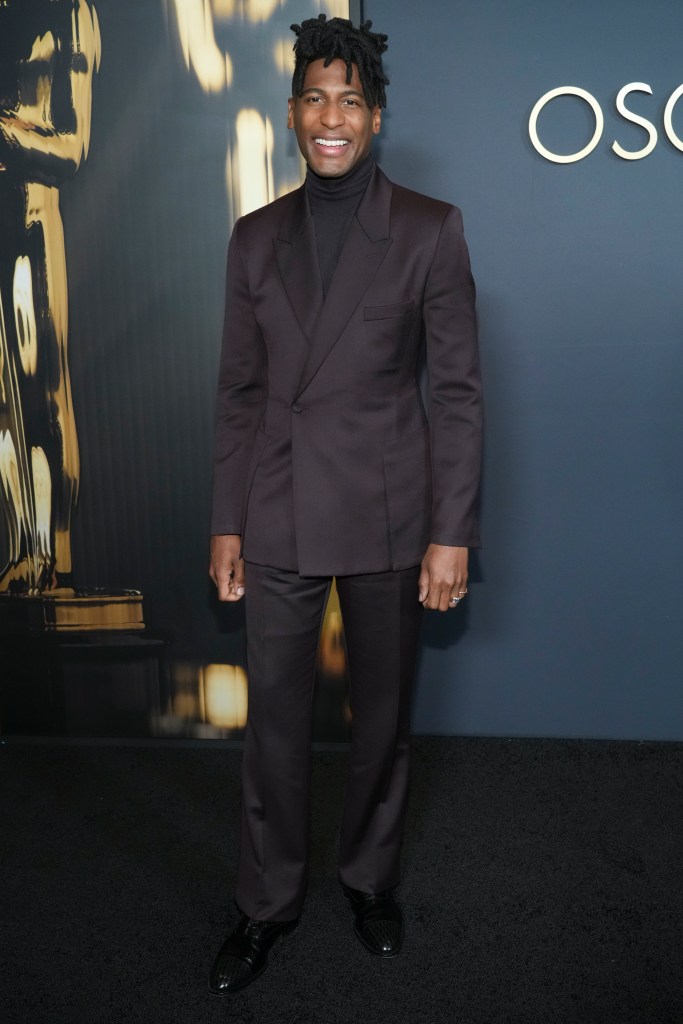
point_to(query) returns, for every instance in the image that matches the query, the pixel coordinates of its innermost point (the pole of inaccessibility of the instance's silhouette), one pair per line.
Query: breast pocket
(393, 311)
(386, 330)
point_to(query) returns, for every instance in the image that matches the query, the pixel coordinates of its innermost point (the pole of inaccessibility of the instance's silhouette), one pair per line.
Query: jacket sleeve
(455, 398)
(241, 395)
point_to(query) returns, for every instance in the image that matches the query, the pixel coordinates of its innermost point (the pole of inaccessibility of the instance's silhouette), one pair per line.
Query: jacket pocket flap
(385, 312)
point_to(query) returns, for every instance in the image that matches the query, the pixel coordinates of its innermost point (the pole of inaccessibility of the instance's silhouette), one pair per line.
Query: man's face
(333, 123)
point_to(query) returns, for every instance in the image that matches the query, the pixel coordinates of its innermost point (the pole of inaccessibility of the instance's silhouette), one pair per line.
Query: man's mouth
(332, 143)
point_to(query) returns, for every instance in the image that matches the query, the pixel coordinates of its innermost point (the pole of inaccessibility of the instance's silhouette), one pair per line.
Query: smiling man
(326, 465)
(333, 121)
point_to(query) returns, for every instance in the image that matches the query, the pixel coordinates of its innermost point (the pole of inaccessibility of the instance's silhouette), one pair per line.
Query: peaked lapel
(365, 247)
(297, 260)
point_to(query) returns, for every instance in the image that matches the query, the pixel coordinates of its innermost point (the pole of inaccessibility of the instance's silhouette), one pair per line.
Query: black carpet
(542, 883)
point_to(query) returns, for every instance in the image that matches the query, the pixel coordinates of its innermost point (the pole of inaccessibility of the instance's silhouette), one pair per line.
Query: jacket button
(297, 408)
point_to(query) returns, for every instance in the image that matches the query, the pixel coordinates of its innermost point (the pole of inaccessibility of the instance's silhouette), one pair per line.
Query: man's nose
(332, 117)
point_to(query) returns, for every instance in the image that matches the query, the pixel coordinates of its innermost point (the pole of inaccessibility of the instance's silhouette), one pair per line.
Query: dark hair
(338, 39)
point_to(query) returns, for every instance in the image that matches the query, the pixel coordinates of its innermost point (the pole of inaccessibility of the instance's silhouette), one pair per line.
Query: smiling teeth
(332, 142)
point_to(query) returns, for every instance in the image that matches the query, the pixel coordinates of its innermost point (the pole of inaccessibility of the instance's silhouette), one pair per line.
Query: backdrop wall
(572, 627)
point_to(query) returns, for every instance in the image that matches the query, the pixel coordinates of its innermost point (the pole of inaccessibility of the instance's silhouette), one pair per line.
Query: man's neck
(354, 182)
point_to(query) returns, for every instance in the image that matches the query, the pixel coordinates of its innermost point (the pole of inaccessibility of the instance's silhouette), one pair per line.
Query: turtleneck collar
(347, 186)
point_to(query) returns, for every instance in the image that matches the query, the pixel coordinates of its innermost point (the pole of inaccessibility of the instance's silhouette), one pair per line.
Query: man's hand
(443, 577)
(227, 568)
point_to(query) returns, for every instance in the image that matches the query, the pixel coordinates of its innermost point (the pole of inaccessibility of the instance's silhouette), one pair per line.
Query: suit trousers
(284, 612)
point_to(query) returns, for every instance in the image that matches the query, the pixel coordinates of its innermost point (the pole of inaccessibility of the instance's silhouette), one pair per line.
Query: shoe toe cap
(383, 936)
(229, 974)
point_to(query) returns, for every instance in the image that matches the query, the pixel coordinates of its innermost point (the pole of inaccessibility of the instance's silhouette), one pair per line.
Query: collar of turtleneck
(347, 186)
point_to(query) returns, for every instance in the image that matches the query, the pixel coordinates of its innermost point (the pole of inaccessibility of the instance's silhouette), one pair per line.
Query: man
(327, 466)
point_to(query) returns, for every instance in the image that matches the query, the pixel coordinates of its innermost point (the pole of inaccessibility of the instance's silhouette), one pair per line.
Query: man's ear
(290, 112)
(376, 120)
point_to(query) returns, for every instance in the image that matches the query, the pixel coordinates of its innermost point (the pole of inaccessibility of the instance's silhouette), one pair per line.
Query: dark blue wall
(573, 623)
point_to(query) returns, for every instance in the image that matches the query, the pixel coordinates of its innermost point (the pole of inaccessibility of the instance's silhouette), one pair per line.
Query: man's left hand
(443, 579)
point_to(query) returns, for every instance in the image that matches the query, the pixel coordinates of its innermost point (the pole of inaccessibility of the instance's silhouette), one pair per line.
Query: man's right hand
(227, 568)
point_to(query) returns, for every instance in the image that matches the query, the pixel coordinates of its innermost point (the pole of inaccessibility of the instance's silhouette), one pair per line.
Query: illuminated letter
(566, 90)
(638, 154)
(668, 111)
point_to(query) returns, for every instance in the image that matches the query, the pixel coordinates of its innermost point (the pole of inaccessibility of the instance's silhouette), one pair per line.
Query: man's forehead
(334, 76)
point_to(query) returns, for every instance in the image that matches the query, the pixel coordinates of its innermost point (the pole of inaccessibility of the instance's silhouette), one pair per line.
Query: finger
(439, 592)
(238, 583)
(423, 585)
(438, 597)
(224, 577)
(458, 593)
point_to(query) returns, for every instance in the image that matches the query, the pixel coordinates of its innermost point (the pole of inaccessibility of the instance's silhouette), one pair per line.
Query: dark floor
(542, 883)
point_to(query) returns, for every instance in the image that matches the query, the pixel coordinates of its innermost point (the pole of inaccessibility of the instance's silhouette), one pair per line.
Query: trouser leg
(283, 619)
(382, 617)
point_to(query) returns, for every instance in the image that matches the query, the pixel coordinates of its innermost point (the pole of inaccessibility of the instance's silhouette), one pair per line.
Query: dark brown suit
(327, 465)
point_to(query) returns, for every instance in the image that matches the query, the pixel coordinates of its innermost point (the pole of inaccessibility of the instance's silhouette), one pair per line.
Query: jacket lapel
(297, 260)
(365, 247)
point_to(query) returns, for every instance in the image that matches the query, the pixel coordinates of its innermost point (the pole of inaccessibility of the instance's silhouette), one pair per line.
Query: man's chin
(327, 172)
(331, 167)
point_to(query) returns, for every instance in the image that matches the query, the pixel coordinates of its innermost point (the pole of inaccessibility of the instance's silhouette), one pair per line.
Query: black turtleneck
(334, 202)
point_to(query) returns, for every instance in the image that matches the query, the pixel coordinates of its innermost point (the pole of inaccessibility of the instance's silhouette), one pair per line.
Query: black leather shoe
(244, 954)
(379, 921)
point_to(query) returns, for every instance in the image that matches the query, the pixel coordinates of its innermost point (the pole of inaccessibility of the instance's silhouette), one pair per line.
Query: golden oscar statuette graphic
(49, 53)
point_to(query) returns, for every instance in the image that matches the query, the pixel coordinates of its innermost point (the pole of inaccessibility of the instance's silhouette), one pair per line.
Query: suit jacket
(325, 459)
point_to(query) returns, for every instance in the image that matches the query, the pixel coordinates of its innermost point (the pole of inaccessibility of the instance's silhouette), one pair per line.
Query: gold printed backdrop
(179, 107)
(48, 57)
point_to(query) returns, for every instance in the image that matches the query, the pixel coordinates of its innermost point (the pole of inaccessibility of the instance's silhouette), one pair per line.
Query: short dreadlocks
(338, 39)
